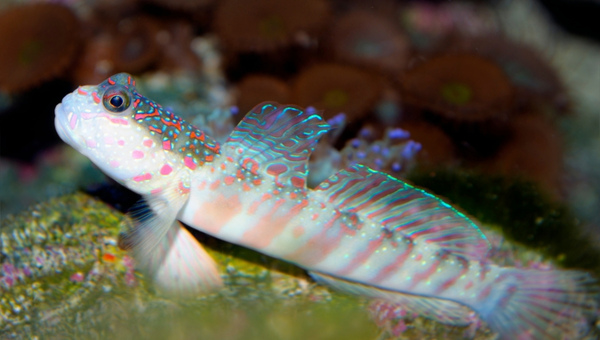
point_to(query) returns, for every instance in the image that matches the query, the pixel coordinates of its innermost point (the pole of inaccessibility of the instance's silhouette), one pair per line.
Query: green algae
(525, 213)
(55, 259)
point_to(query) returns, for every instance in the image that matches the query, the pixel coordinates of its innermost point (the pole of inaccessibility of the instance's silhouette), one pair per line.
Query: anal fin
(444, 311)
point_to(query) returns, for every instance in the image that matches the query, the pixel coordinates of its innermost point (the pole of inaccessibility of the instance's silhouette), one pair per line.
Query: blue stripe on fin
(278, 139)
(401, 208)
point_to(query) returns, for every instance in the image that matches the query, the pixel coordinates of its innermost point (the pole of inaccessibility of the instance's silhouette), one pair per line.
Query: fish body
(360, 230)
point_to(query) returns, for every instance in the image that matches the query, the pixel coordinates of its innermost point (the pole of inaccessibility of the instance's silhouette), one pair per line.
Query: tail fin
(553, 304)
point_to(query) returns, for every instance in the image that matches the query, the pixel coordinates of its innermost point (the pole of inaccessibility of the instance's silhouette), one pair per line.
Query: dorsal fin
(277, 140)
(399, 207)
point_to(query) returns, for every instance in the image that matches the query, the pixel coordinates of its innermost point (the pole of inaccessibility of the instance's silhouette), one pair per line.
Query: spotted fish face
(131, 138)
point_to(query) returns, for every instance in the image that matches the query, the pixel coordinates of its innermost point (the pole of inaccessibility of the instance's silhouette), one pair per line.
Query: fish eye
(116, 99)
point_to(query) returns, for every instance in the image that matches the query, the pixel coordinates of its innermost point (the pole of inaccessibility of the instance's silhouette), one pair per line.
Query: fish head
(128, 136)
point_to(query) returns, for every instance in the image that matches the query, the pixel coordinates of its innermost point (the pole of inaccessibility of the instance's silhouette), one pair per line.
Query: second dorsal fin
(401, 208)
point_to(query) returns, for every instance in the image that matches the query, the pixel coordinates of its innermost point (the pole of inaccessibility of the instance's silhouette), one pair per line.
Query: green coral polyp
(335, 98)
(30, 52)
(272, 27)
(456, 93)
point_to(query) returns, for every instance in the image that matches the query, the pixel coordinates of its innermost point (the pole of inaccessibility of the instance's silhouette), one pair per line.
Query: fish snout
(64, 123)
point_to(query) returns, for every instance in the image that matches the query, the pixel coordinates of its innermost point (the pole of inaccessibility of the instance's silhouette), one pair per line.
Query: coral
(38, 42)
(175, 38)
(430, 24)
(337, 88)
(364, 38)
(466, 94)
(534, 77)
(534, 151)
(461, 87)
(437, 148)
(261, 25)
(256, 88)
(183, 4)
(394, 154)
(95, 61)
(135, 45)
(130, 44)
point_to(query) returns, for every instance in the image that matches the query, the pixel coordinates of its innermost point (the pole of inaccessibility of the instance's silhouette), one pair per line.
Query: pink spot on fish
(184, 189)
(166, 145)
(109, 140)
(189, 162)
(114, 164)
(298, 182)
(137, 154)
(73, 121)
(121, 142)
(143, 177)
(90, 143)
(148, 142)
(119, 121)
(166, 169)
(229, 180)
(298, 231)
(155, 191)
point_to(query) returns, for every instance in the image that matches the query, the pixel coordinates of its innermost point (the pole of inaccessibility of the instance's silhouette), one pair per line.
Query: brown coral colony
(38, 42)
(463, 98)
(262, 25)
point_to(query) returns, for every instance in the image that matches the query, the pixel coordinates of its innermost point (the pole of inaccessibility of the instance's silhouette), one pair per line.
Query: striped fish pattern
(360, 231)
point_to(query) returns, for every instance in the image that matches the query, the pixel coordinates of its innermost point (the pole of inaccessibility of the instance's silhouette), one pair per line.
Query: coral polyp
(337, 88)
(364, 38)
(467, 95)
(459, 86)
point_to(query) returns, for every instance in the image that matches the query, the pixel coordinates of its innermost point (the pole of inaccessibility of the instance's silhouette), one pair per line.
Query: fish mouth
(61, 119)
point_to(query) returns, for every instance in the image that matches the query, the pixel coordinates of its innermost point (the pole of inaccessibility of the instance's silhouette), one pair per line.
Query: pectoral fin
(176, 262)
(184, 268)
(165, 251)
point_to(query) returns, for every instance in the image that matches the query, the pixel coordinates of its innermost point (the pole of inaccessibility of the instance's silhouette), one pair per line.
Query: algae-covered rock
(62, 276)
(58, 258)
